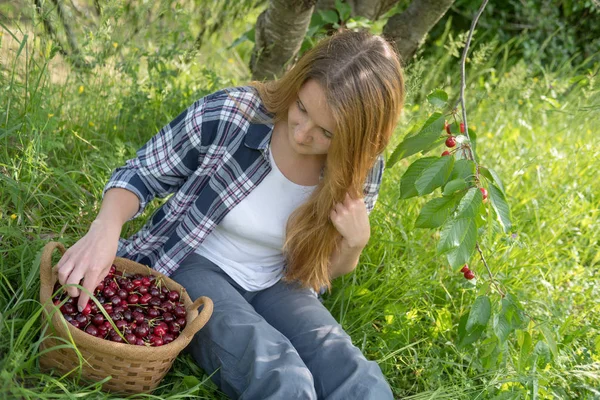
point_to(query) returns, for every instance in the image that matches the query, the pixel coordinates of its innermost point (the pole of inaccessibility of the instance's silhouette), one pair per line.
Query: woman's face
(310, 124)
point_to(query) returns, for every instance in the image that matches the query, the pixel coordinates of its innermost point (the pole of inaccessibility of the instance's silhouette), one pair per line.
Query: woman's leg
(339, 369)
(252, 359)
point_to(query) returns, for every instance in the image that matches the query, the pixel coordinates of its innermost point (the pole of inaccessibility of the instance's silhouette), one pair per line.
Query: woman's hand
(89, 259)
(351, 220)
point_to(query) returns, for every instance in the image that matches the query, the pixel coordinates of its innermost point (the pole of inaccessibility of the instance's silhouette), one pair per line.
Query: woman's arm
(344, 260)
(92, 256)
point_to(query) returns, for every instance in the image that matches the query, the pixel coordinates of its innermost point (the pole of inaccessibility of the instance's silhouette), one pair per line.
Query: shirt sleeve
(165, 162)
(373, 183)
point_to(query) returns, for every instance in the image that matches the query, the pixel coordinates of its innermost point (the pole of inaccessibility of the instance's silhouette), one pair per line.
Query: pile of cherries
(142, 308)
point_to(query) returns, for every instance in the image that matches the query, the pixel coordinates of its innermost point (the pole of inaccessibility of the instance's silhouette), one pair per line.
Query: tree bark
(408, 29)
(279, 33)
(371, 9)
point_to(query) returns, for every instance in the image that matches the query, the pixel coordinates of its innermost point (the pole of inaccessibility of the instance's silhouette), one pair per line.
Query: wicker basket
(134, 369)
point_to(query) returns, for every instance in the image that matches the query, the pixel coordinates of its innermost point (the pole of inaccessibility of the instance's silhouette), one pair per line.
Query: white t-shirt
(248, 243)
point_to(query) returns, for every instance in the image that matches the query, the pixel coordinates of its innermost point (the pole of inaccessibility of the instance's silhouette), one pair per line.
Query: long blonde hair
(362, 77)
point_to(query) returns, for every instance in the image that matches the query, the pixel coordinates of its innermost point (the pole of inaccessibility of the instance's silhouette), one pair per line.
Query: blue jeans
(277, 343)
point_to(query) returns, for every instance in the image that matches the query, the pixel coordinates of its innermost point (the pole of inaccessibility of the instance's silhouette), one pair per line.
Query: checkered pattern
(210, 158)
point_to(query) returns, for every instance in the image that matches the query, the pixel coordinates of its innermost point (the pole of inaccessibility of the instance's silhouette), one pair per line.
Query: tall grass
(60, 140)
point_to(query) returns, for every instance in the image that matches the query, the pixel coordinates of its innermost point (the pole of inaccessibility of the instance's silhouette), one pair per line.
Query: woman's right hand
(89, 259)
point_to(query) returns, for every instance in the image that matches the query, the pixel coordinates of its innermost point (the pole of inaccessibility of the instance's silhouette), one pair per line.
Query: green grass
(61, 138)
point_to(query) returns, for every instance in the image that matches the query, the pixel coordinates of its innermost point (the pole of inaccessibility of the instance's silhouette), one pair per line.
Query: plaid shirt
(211, 157)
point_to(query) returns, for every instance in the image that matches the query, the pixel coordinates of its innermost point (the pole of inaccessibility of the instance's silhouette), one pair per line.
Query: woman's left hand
(351, 220)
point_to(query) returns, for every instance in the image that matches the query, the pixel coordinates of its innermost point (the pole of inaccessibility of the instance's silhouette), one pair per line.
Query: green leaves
(407, 183)
(422, 140)
(500, 207)
(459, 235)
(480, 314)
(471, 326)
(434, 176)
(425, 175)
(435, 213)
(457, 240)
(438, 98)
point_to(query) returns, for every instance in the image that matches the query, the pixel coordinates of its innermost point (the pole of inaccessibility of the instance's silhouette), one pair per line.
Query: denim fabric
(277, 343)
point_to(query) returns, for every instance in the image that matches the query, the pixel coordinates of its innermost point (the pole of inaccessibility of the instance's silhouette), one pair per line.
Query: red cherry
(469, 275)
(447, 127)
(168, 338)
(153, 313)
(133, 299)
(450, 142)
(159, 330)
(168, 317)
(157, 341)
(174, 327)
(116, 338)
(98, 319)
(141, 331)
(87, 309)
(462, 127)
(145, 298)
(146, 281)
(465, 269)
(173, 295)
(445, 153)
(179, 311)
(109, 292)
(484, 193)
(92, 330)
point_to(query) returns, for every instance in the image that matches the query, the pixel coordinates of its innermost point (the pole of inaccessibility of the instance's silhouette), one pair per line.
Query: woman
(273, 183)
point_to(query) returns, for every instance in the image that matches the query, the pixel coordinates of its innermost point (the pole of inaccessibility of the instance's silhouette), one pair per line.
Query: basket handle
(202, 317)
(46, 261)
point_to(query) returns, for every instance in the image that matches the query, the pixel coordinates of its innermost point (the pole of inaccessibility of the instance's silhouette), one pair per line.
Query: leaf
(434, 175)
(502, 327)
(343, 9)
(329, 16)
(435, 213)
(462, 254)
(414, 144)
(500, 207)
(542, 351)
(464, 337)
(470, 203)
(454, 185)
(454, 232)
(549, 336)
(464, 169)
(407, 183)
(526, 348)
(492, 177)
(514, 313)
(438, 98)
(480, 313)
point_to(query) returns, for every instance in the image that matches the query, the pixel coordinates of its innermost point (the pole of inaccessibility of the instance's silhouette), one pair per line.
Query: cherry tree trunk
(408, 29)
(279, 33)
